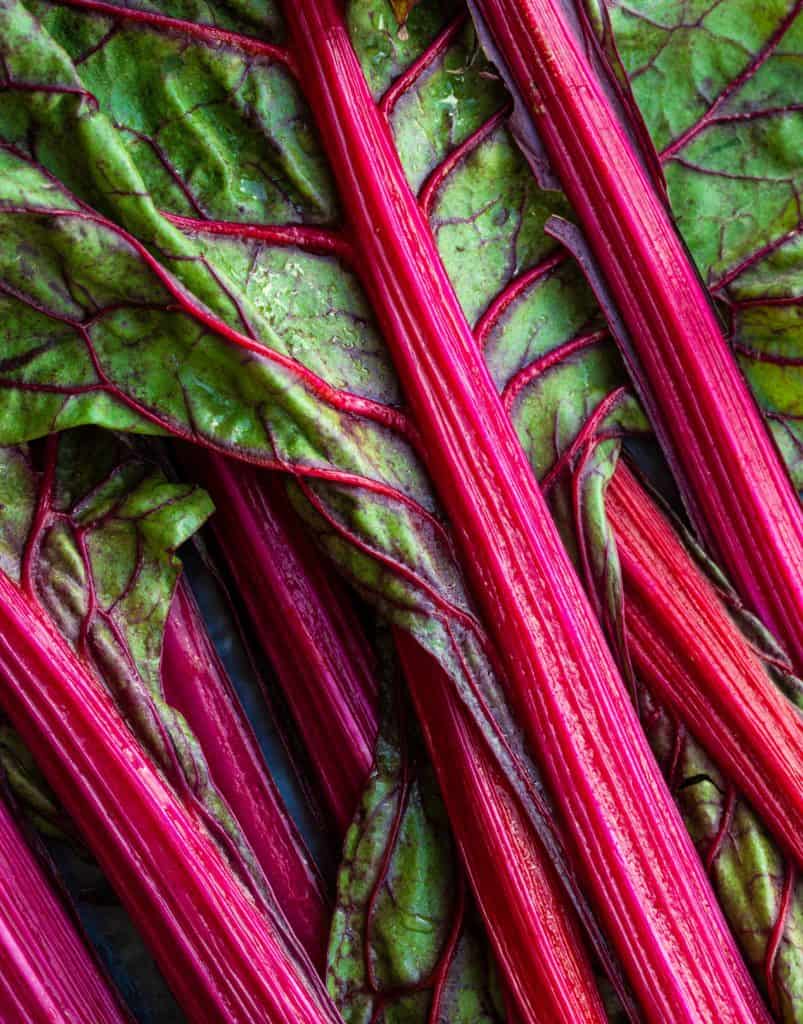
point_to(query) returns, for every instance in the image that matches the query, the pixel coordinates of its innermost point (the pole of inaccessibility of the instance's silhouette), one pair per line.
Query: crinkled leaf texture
(150, 281)
(566, 390)
(564, 385)
(718, 87)
(138, 294)
(91, 528)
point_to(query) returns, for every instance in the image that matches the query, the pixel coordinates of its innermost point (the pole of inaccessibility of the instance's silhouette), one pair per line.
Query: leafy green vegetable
(571, 110)
(565, 388)
(139, 351)
(146, 365)
(226, 956)
(757, 887)
(93, 534)
(405, 945)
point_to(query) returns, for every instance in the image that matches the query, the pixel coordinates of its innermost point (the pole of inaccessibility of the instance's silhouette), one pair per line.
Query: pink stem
(732, 477)
(196, 684)
(513, 290)
(47, 974)
(692, 656)
(640, 865)
(441, 173)
(413, 73)
(226, 962)
(315, 646)
(534, 932)
(533, 929)
(527, 374)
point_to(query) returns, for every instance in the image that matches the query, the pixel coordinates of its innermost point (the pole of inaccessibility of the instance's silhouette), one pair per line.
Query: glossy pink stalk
(730, 472)
(225, 961)
(640, 867)
(322, 664)
(195, 682)
(688, 651)
(532, 927)
(47, 974)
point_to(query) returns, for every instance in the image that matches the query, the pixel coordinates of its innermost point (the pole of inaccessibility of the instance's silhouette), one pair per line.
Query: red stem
(47, 974)
(639, 863)
(776, 936)
(534, 931)
(209, 33)
(302, 621)
(435, 181)
(527, 374)
(225, 961)
(731, 475)
(411, 74)
(320, 240)
(195, 682)
(692, 656)
(513, 290)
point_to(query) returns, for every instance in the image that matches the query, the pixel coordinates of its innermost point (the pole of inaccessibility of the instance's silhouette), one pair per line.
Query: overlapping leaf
(151, 169)
(90, 528)
(406, 945)
(217, 332)
(718, 86)
(759, 891)
(222, 333)
(567, 393)
(29, 787)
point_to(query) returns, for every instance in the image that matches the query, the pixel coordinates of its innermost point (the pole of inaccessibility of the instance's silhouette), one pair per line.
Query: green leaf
(90, 528)
(38, 802)
(405, 939)
(114, 312)
(717, 84)
(113, 316)
(747, 871)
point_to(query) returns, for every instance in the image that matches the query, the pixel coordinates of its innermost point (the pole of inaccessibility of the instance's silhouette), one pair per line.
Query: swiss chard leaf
(405, 944)
(166, 336)
(90, 527)
(717, 87)
(567, 394)
(228, 343)
(758, 888)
